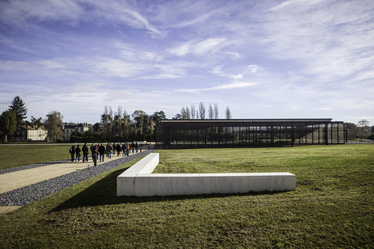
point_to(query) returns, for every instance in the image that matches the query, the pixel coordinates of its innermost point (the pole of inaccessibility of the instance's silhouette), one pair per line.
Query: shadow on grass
(104, 192)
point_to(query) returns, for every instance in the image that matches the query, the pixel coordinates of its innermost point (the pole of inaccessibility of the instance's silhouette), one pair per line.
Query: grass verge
(332, 206)
(20, 155)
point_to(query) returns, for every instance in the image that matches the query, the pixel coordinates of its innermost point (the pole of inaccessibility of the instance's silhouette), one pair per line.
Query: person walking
(72, 152)
(108, 150)
(85, 152)
(125, 149)
(132, 147)
(118, 149)
(97, 147)
(77, 153)
(136, 147)
(94, 152)
(102, 152)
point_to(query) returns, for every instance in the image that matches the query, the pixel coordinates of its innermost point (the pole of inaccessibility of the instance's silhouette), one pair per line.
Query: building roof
(314, 120)
(32, 127)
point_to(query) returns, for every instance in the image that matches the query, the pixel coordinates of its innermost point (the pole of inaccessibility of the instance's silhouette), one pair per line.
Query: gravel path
(35, 192)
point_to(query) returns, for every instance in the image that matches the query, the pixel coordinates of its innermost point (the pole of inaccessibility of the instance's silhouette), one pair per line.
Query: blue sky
(263, 59)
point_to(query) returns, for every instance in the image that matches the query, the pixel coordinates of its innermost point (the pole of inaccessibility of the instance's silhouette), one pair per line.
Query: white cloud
(253, 68)
(26, 13)
(218, 70)
(199, 47)
(209, 45)
(220, 87)
(20, 13)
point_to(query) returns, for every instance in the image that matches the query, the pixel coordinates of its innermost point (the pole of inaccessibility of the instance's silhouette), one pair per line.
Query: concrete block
(138, 181)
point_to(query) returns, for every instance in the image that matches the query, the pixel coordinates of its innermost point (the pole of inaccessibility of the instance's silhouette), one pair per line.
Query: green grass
(20, 155)
(332, 207)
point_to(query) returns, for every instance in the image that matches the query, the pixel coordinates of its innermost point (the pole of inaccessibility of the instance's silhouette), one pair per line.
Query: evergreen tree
(8, 123)
(20, 109)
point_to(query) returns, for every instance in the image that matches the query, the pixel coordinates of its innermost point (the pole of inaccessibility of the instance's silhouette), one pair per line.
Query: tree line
(121, 126)
(200, 113)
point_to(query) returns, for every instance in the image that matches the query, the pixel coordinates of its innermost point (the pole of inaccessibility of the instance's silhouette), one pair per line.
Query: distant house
(69, 129)
(29, 133)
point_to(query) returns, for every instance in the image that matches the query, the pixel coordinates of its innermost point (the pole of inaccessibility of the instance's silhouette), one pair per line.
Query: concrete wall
(138, 181)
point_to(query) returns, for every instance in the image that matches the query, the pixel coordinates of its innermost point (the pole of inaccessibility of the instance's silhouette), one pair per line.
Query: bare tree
(228, 113)
(202, 110)
(54, 125)
(363, 124)
(215, 111)
(188, 114)
(193, 111)
(210, 112)
(183, 113)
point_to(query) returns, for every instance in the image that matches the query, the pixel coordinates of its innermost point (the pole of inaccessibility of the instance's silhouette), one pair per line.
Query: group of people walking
(100, 150)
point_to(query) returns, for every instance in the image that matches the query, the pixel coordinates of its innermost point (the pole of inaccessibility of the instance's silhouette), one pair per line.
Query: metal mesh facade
(226, 133)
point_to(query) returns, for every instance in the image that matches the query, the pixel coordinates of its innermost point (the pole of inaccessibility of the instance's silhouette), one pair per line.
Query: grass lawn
(333, 206)
(20, 155)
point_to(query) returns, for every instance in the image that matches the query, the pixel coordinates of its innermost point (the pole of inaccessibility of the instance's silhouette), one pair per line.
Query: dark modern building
(224, 133)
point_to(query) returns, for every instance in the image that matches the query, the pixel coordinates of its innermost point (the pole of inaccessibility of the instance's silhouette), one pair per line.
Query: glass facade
(225, 133)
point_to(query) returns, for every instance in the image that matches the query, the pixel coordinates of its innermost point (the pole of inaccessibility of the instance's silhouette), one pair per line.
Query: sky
(261, 58)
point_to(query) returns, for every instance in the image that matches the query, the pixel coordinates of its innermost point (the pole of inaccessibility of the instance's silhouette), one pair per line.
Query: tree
(142, 124)
(210, 112)
(36, 121)
(364, 131)
(8, 123)
(97, 127)
(126, 125)
(118, 122)
(157, 116)
(352, 130)
(193, 111)
(54, 125)
(215, 111)
(107, 121)
(185, 111)
(228, 113)
(202, 110)
(76, 134)
(177, 116)
(188, 113)
(89, 133)
(19, 108)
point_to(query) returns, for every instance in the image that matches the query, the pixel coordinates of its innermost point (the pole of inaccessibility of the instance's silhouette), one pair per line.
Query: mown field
(20, 155)
(332, 207)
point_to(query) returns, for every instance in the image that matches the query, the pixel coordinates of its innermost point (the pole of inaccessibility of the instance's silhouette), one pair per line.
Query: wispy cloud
(220, 87)
(26, 13)
(210, 45)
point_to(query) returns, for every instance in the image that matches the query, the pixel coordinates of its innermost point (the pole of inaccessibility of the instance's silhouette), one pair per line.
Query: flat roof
(319, 120)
